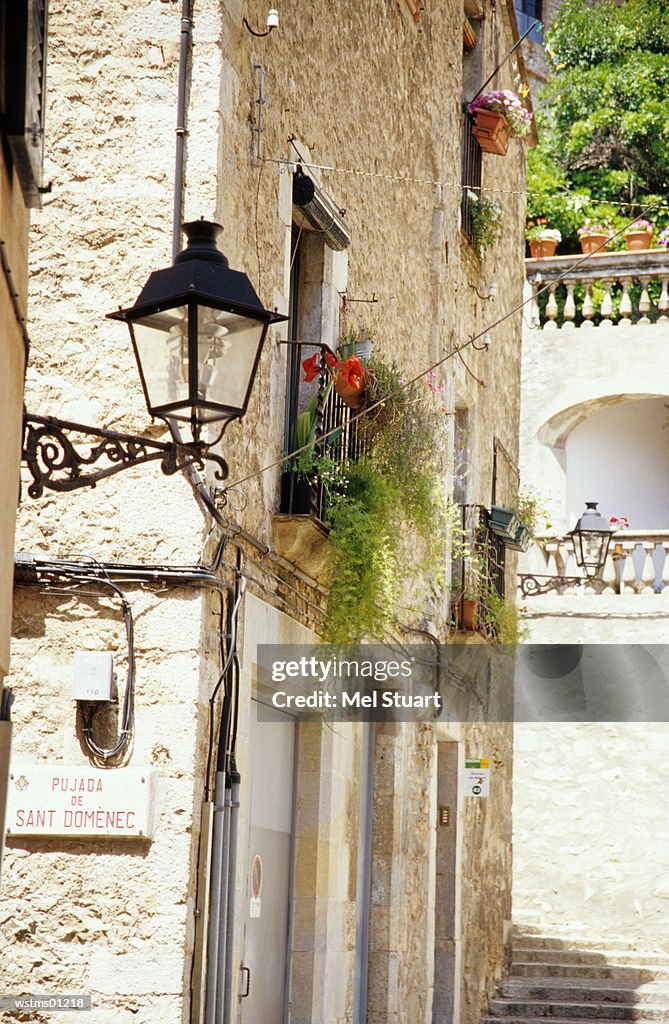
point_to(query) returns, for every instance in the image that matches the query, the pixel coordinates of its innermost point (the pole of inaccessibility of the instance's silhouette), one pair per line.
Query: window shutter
(25, 92)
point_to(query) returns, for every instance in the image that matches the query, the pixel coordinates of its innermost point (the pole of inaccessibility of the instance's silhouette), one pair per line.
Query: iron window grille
(471, 174)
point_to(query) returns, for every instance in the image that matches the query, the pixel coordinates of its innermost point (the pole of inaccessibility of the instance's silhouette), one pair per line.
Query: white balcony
(637, 564)
(615, 290)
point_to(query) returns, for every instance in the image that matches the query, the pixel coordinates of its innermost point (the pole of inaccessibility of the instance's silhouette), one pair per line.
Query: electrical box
(93, 675)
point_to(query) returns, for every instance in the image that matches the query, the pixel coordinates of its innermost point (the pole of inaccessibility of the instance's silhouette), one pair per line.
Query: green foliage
(531, 509)
(486, 217)
(604, 130)
(387, 497)
(504, 619)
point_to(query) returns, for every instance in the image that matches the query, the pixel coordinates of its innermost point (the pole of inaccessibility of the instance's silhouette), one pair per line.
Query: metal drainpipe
(232, 875)
(184, 49)
(217, 891)
(221, 936)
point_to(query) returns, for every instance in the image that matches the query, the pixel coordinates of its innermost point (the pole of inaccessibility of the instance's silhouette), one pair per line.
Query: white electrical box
(93, 675)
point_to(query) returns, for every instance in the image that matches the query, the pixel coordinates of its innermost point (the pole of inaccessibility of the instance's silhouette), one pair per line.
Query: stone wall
(379, 99)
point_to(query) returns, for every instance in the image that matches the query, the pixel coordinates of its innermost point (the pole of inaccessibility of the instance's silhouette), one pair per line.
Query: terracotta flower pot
(590, 243)
(466, 614)
(492, 132)
(542, 248)
(636, 240)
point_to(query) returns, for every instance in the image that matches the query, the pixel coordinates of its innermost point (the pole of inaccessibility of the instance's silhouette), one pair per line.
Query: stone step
(566, 941)
(617, 972)
(529, 1009)
(591, 955)
(584, 991)
(510, 1019)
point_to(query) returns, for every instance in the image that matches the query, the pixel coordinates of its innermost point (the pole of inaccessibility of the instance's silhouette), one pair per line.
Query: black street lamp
(197, 329)
(591, 538)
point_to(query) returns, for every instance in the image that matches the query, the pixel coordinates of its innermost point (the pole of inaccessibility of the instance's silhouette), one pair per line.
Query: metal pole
(184, 49)
(508, 56)
(232, 879)
(217, 886)
(221, 924)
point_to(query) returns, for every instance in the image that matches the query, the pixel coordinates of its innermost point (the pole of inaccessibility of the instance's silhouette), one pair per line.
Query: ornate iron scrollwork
(533, 586)
(57, 465)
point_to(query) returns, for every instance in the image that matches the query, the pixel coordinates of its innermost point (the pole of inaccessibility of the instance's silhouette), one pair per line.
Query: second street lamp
(591, 538)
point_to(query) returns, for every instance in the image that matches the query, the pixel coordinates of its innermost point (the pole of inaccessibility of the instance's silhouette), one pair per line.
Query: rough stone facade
(378, 97)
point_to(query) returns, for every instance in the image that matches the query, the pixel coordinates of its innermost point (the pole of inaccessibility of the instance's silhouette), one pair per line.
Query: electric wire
(285, 164)
(102, 755)
(567, 272)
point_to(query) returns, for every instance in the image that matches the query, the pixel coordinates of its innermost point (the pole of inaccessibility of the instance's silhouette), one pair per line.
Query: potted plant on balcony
(663, 239)
(593, 236)
(499, 116)
(389, 512)
(486, 217)
(639, 235)
(543, 240)
(356, 340)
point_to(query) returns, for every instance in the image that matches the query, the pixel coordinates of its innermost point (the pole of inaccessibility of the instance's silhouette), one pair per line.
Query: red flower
(353, 372)
(312, 366)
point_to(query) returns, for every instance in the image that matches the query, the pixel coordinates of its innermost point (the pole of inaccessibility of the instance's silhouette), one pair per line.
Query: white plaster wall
(591, 810)
(567, 375)
(619, 457)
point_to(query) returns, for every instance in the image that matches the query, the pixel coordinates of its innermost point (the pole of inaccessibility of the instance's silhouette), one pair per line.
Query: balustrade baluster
(552, 553)
(628, 579)
(644, 301)
(665, 569)
(609, 573)
(648, 570)
(663, 303)
(551, 308)
(607, 304)
(625, 304)
(535, 316)
(588, 306)
(570, 305)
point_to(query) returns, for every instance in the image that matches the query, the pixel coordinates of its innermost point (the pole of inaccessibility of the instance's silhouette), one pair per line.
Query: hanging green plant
(390, 494)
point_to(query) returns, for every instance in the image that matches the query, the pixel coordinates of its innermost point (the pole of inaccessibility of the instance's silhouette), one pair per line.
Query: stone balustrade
(637, 563)
(615, 274)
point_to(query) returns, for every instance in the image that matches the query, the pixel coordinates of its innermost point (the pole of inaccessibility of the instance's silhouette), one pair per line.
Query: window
(312, 409)
(24, 24)
(527, 12)
(471, 173)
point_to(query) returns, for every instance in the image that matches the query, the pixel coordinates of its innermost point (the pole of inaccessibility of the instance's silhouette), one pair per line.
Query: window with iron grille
(471, 173)
(335, 438)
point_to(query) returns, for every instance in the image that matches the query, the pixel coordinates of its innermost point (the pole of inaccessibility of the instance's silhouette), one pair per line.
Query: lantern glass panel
(162, 354)
(227, 350)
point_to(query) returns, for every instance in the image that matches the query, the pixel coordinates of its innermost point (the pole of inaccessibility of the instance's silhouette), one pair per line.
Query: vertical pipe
(217, 887)
(221, 924)
(230, 925)
(184, 49)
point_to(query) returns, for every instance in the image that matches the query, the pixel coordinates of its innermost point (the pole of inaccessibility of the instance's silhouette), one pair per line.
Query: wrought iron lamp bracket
(533, 586)
(57, 465)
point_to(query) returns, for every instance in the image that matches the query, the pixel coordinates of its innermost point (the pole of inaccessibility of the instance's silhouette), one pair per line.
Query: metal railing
(337, 439)
(478, 571)
(471, 173)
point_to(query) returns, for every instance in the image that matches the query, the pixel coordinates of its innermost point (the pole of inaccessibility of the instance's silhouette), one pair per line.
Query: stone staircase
(574, 981)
